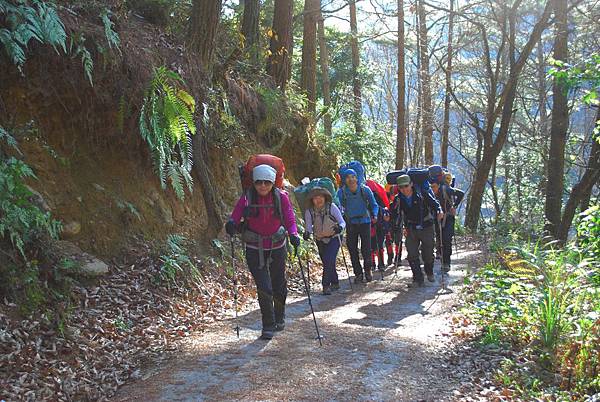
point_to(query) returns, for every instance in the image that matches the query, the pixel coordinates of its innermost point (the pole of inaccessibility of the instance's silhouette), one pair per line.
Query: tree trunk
(324, 61)
(558, 127)
(308, 73)
(204, 21)
(581, 189)
(543, 112)
(280, 58)
(250, 28)
(401, 112)
(494, 140)
(446, 124)
(356, 85)
(427, 113)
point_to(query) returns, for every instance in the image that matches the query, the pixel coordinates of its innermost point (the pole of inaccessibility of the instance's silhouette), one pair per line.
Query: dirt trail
(381, 343)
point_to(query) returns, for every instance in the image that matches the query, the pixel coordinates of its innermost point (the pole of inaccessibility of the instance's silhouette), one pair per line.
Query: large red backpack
(262, 159)
(378, 191)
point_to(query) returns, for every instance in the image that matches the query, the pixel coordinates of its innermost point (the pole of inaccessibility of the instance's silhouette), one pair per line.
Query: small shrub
(177, 269)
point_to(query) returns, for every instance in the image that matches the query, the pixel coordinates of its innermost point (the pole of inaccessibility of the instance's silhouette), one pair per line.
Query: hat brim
(318, 191)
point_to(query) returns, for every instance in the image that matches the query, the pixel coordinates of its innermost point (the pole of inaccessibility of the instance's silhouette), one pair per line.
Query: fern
(167, 125)
(25, 22)
(20, 219)
(77, 48)
(111, 36)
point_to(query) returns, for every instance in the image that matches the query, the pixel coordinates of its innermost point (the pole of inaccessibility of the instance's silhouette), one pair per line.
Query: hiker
(449, 198)
(378, 238)
(419, 208)
(436, 176)
(395, 229)
(388, 236)
(324, 220)
(265, 217)
(360, 211)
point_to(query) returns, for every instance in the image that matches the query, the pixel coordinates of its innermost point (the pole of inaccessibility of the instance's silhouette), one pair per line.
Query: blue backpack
(357, 167)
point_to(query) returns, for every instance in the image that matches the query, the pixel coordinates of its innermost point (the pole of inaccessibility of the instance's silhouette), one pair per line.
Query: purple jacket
(267, 222)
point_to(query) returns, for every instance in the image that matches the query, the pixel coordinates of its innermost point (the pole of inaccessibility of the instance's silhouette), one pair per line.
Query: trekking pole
(312, 310)
(442, 256)
(345, 263)
(308, 270)
(235, 289)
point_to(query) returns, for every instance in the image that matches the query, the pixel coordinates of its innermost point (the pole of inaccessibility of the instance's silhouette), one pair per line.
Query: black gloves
(295, 240)
(337, 229)
(230, 228)
(306, 235)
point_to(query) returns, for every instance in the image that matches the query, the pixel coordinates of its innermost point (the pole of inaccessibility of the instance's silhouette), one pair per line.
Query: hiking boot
(381, 268)
(326, 290)
(368, 275)
(358, 278)
(267, 334)
(335, 286)
(430, 278)
(279, 326)
(416, 284)
(390, 260)
(446, 268)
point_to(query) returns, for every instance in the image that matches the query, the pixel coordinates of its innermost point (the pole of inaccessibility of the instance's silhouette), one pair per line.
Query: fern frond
(112, 37)
(176, 180)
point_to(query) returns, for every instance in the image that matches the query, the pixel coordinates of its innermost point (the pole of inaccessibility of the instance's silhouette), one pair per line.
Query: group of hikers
(417, 204)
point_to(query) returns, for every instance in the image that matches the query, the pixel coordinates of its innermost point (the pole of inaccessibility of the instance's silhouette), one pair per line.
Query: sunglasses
(262, 182)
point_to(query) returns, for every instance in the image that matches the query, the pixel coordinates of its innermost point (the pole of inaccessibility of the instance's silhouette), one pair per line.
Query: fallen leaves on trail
(123, 319)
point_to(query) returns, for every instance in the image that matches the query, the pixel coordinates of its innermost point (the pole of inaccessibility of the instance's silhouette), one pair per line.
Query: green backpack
(301, 192)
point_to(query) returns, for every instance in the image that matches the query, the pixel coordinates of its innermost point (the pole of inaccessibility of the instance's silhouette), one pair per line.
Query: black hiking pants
(271, 284)
(353, 232)
(420, 240)
(447, 236)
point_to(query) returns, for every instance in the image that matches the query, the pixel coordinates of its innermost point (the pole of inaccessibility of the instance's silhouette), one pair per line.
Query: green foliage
(584, 75)
(177, 268)
(111, 36)
(543, 302)
(588, 235)
(20, 219)
(167, 125)
(26, 21)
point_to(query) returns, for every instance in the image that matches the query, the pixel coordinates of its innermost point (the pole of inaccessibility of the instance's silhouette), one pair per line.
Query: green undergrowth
(30, 284)
(544, 304)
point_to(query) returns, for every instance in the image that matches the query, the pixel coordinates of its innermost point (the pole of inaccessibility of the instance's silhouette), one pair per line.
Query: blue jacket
(358, 207)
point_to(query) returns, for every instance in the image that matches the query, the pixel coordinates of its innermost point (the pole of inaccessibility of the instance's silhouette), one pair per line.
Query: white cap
(264, 172)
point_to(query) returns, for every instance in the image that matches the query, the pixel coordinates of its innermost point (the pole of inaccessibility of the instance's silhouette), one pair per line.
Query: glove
(305, 236)
(230, 228)
(337, 229)
(295, 240)
(374, 220)
(440, 216)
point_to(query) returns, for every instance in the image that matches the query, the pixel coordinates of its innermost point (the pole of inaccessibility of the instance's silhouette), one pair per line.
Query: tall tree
(583, 188)
(427, 112)
(356, 84)
(500, 100)
(308, 72)
(559, 125)
(280, 57)
(446, 124)
(204, 22)
(250, 28)
(401, 112)
(324, 62)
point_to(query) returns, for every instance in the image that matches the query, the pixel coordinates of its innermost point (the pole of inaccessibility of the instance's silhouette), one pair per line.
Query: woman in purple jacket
(265, 217)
